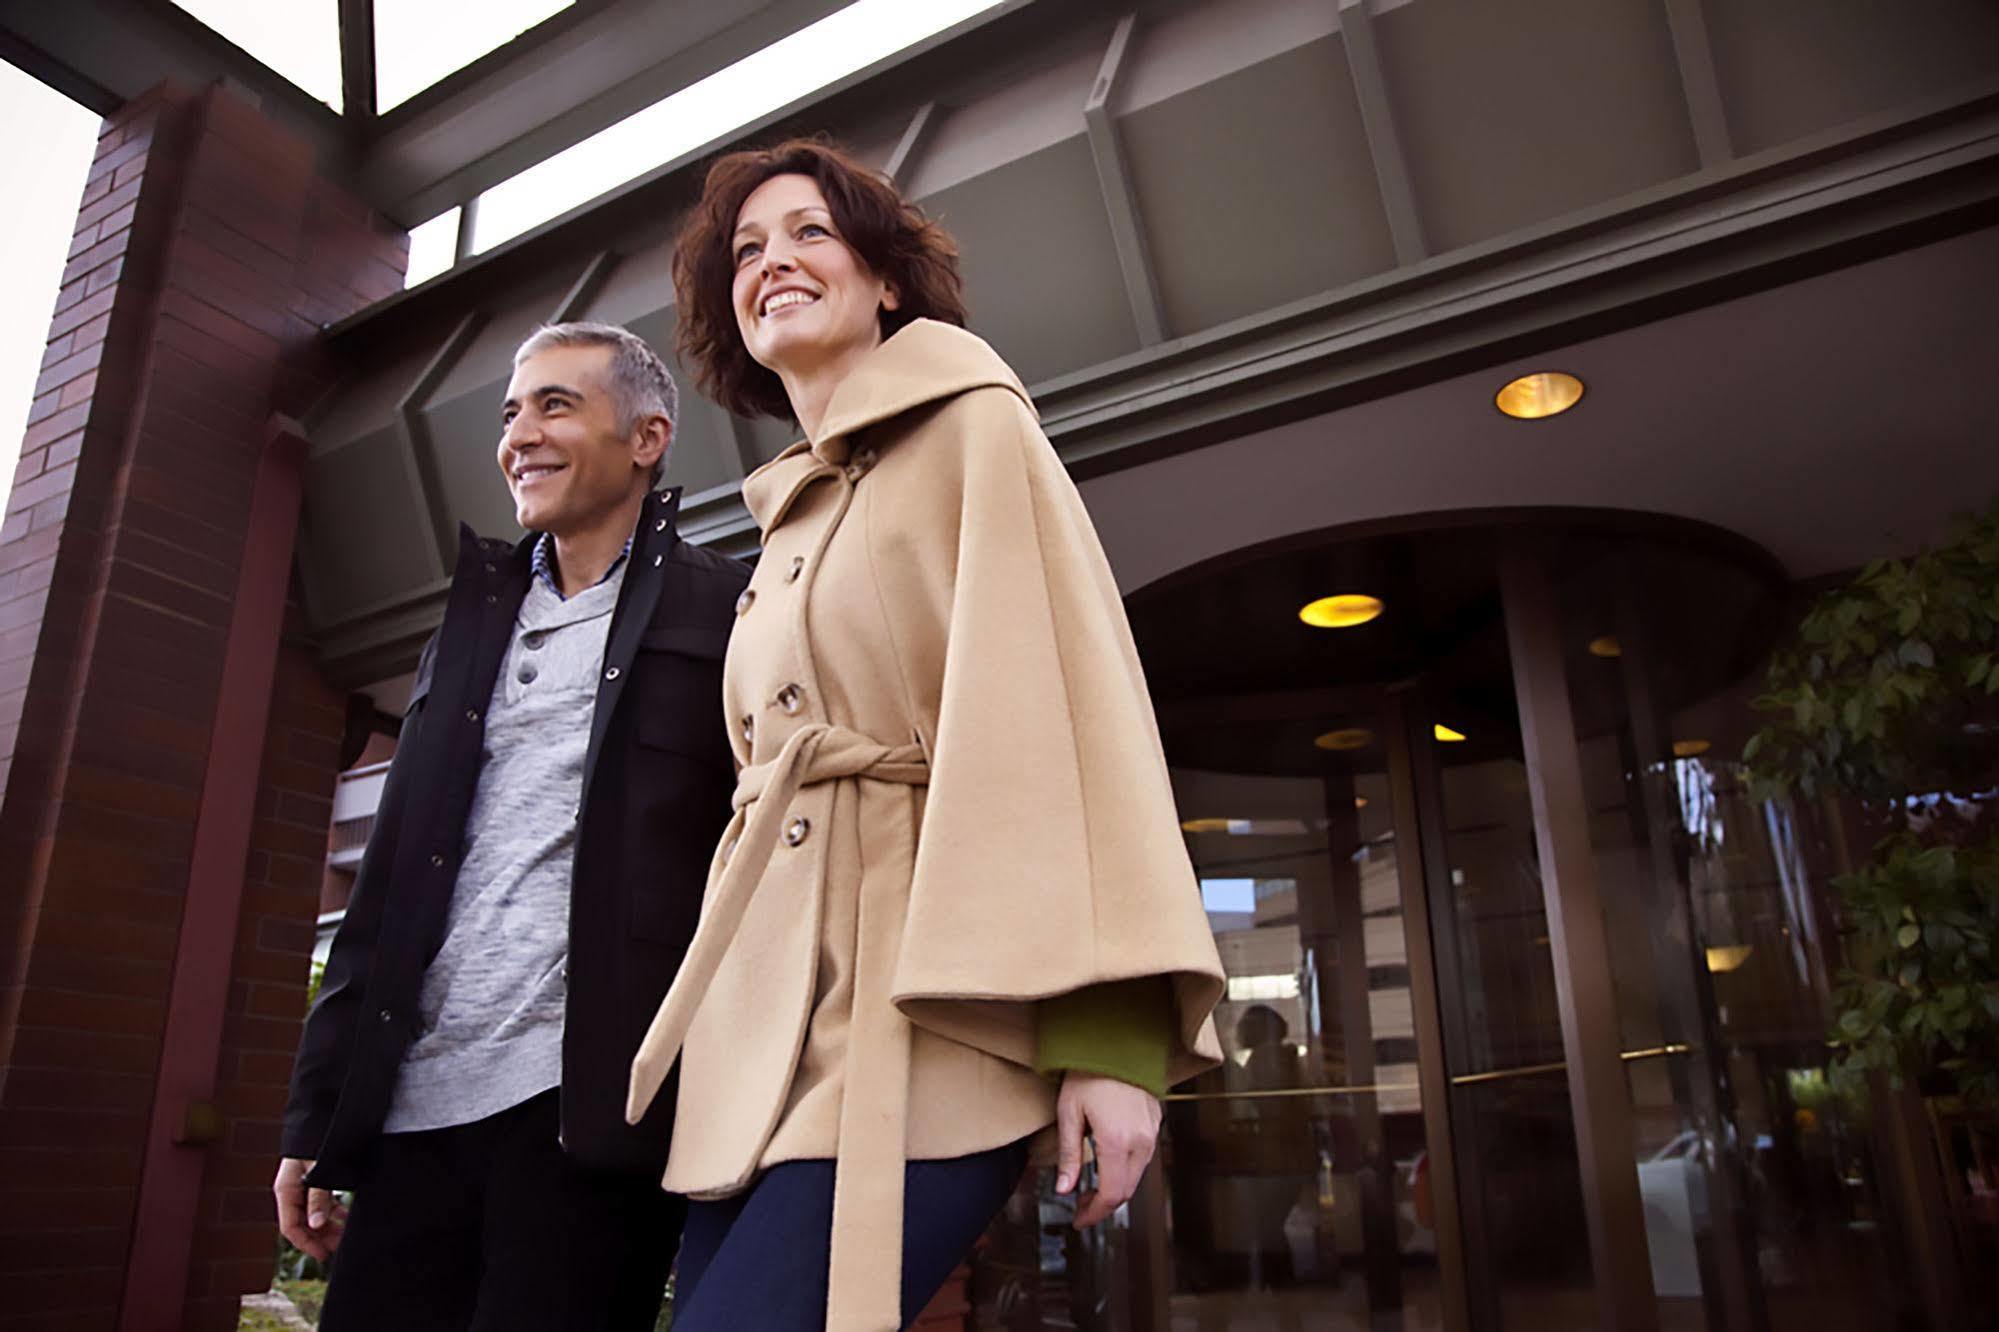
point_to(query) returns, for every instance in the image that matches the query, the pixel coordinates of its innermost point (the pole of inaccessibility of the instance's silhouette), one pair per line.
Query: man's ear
(655, 436)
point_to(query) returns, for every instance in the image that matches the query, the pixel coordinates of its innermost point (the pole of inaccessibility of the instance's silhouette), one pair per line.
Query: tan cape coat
(952, 804)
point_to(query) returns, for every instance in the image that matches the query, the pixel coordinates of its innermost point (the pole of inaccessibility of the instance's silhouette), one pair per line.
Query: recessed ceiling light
(1341, 612)
(1352, 737)
(1728, 957)
(1690, 748)
(1531, 397)
(1446, 734)
(1204, 825)
(1607, 646)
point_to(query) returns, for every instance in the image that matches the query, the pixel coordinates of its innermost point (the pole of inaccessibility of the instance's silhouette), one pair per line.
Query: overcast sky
(43, 162)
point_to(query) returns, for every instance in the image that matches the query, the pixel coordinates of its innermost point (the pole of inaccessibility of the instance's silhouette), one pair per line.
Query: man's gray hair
(640, 384)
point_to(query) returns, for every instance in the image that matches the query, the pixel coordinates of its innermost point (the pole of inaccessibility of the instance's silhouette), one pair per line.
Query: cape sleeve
(1049, 858)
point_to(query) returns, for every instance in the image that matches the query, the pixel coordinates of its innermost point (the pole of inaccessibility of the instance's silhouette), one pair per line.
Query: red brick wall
(208, 252)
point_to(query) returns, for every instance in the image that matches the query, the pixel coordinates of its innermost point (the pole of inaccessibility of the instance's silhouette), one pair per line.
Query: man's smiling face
(568, 458)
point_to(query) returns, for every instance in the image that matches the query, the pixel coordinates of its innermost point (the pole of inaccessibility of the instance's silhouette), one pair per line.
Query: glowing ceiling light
(1341, 612)
(1204, 825)
(1531, 397)
(1446, 734)
(1728, 957)
(1349, 738)
(1606, 647)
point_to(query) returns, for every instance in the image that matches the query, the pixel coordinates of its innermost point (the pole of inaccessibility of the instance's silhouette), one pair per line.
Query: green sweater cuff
(1120, 1029)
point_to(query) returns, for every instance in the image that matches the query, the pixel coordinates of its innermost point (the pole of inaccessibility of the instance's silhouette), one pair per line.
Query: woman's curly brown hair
(914, 255)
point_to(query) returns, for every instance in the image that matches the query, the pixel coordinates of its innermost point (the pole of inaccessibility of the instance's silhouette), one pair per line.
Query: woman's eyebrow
(794, 213)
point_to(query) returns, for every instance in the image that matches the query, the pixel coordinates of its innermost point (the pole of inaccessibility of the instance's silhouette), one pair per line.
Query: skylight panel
(433, 248)
(713, 108)
(418, 42)
(299, 39)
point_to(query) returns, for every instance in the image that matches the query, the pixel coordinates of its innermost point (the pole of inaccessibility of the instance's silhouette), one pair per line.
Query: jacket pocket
(678, 701)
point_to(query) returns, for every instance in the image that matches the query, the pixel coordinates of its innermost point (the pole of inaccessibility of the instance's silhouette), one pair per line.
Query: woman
(953, 908)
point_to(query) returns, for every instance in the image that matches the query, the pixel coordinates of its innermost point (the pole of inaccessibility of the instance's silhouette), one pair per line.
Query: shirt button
(526, 675)
(533, 638)
(791, 698)
(612, 674)
(745, 601)
(797, 568)
(797, 831)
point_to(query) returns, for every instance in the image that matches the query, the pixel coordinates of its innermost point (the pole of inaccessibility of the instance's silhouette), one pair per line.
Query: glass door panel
(1526, 1242)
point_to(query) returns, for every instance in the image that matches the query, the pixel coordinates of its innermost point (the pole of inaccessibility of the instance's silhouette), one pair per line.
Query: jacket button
(533, 638)
(527, 674)
(492, 600)
(749, 728)
(385, 1016)
(745, 601)
(656, 560)
(437, 862)
(791, 698)
(611, 674)
(796, 831)
(472, 714)
(659, 526)
(797, 568)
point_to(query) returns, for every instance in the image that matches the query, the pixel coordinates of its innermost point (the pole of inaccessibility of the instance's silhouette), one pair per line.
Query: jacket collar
(922, 363)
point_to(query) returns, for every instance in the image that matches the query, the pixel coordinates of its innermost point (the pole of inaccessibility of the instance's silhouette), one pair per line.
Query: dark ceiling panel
(1257, 189)
(367, 537)
(1041, 273)
(1789, 68)
(1511, 115)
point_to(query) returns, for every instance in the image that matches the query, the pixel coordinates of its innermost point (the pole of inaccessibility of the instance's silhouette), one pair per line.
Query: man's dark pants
(489, 1227)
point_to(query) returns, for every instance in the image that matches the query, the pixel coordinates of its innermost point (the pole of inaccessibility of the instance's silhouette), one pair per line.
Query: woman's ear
(891, 299)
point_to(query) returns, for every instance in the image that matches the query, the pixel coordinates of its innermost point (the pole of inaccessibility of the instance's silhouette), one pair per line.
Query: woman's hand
(1123, 1121)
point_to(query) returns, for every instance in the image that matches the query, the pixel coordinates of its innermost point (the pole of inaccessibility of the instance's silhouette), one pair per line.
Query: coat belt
(865, 1279)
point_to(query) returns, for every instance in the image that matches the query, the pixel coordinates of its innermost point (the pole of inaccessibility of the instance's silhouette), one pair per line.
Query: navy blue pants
(759, 1260)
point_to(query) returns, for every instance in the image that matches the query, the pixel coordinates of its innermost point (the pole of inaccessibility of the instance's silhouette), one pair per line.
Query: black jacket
(656, 788)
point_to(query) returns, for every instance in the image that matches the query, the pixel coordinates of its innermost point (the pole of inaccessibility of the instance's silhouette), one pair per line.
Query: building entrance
(1525, 1012)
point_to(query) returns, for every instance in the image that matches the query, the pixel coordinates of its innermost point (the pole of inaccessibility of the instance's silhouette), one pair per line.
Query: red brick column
(208, 252)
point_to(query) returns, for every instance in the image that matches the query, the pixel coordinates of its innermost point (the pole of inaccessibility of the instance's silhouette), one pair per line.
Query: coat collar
(922, 363)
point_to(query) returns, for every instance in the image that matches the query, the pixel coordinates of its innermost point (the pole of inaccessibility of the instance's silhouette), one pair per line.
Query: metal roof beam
(1120, 198)
(1377, 118)
(357, 63)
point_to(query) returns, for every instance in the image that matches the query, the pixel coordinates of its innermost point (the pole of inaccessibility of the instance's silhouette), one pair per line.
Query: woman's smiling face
(804, 300)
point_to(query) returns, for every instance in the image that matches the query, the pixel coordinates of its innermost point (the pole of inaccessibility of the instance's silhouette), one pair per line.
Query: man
(533, 879)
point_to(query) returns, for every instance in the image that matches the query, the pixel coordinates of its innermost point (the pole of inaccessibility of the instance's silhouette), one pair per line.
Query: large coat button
(745, 601)
(749, 729)
(796, 831)
(797, 568)
(791, 698)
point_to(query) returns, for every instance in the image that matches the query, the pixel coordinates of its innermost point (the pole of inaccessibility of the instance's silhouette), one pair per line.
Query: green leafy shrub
(1888, 694)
